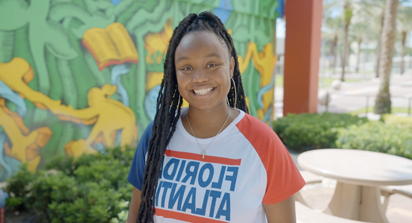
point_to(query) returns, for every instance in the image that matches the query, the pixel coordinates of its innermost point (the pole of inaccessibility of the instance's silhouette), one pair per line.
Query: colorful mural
(77, 76)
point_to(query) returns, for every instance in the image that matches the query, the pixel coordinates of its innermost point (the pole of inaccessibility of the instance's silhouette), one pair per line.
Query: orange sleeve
(283, 177)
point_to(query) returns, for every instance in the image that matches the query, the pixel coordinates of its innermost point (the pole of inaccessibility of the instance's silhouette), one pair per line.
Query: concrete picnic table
(359, 175)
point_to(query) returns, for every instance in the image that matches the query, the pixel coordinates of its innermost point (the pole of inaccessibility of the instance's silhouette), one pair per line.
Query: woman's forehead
(201, 43)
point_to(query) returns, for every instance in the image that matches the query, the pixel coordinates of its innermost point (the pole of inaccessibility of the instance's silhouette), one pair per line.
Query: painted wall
(77, 75)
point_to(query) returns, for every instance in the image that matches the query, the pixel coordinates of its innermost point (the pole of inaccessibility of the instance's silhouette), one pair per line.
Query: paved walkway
(357, 95)
(318, 196)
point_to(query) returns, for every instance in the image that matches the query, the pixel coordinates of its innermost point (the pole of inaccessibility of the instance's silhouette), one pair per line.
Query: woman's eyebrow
(214, 54)
(181, 58)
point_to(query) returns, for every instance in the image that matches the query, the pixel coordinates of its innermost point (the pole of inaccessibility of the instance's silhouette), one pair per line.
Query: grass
(326, 81)
(371, 108)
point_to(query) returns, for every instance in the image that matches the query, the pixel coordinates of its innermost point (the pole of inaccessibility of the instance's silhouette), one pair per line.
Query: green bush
(18, 188)
(398, 121)
(377, 136)
(92, 188)
(313, 131)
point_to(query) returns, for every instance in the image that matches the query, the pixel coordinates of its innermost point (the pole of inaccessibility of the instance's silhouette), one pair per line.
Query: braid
(169, 103)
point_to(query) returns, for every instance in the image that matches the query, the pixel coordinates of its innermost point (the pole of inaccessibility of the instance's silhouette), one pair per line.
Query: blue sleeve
(136, 173)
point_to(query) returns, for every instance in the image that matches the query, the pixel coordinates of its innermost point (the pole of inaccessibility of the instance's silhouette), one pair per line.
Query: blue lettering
(202, 211)
(214, 194)
(232, 178)
(190, 201)
(205, 183)
(191, 173)
(176, 196)
(166, 185)
(158, 192)
(224, 212)
(182, 166)
(218, 184)
(175, 163)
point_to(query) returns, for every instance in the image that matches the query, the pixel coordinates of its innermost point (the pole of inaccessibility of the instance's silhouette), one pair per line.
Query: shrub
(313, 131)
(18, 188)
(377, 136)
(92, 188)
(398, 121)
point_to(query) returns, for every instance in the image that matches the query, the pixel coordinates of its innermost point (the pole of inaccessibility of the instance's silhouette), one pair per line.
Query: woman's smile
(203, 91)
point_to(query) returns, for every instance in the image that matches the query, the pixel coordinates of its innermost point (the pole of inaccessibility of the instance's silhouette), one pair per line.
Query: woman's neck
(207, 123)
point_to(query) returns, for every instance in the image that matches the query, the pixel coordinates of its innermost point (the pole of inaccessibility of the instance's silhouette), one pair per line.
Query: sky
(281, 29)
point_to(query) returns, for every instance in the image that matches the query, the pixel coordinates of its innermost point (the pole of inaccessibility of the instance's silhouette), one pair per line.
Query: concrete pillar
(302, 53)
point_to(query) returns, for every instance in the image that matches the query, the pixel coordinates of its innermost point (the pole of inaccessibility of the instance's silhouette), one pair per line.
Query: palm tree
(383, 99)
(358, 33)
(332, 29)
(372, 8)
(405, 25)
(347, 17)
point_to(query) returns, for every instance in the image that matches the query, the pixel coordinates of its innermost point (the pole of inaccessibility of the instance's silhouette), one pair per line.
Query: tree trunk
(402, 65)
(383, 99)
(358, 55)
(345, 51)
(335, 50)
(378, 49)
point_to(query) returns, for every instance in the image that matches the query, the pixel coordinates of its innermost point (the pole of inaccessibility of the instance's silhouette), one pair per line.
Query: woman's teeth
(203, 91)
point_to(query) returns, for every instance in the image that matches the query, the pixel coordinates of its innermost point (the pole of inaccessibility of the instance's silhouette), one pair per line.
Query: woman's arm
(134, 206)
(283, 212)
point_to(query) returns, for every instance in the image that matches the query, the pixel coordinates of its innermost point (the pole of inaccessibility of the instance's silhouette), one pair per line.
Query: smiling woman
(212, 161)
(204, 68)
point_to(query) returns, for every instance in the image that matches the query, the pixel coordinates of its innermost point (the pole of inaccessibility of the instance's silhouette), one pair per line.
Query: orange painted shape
(7, 149)
(198, 157)
(44, 136)
(184, 217)
(32, 151)
(16, 118)
(302, 52)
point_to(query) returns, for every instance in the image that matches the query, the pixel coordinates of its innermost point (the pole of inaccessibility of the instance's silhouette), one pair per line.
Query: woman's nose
(200, 76)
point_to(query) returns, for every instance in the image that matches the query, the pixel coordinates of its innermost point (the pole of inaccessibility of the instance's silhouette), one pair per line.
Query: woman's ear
(232, 66)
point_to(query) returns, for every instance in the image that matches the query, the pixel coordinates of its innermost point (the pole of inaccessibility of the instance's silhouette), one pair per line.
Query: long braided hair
(169, 103)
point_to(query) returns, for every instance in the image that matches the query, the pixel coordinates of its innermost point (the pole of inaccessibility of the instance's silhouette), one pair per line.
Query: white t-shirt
(245, 166)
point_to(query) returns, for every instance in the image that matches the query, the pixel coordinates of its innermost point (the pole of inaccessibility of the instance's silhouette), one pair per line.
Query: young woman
(211, 162)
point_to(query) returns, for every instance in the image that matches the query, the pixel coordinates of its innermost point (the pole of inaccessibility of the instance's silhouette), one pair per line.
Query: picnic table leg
(299, 197)
(355, 202)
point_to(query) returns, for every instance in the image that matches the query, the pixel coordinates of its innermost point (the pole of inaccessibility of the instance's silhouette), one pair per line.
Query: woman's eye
(212, 65)
(186, 68)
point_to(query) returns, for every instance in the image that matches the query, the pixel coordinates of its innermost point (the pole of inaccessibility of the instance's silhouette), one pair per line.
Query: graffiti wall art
(77, 76)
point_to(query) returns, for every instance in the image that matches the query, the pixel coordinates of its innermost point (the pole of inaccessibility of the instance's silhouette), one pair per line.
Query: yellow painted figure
(107, 115)
(264, 62)
(158, 42)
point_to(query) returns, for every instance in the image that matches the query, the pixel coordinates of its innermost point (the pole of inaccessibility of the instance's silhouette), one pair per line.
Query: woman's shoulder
(252, 126)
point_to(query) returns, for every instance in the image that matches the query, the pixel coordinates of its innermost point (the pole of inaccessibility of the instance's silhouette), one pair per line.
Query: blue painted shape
(119, 137)
(9, 166)
(223, 10)
(3, 197)
(263, 90)
(7, 93)
(115, 2)
(117, 71)
(281, 8)
(150, 102)
(260, 98)
(99, 147)
(268, 114)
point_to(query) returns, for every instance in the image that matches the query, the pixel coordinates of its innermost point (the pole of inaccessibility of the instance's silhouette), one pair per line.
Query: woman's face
(203, 69)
